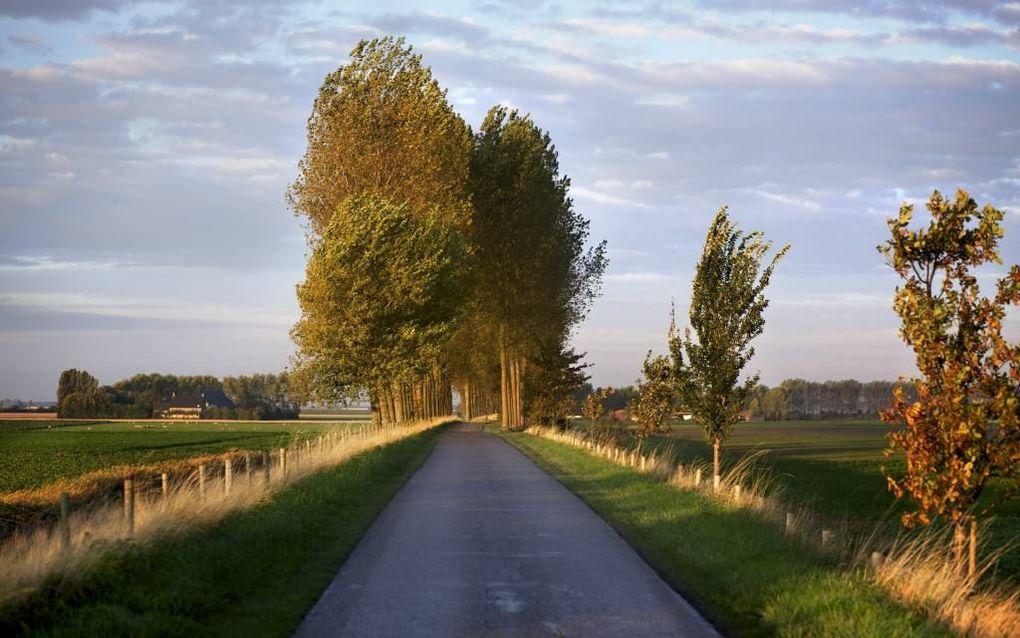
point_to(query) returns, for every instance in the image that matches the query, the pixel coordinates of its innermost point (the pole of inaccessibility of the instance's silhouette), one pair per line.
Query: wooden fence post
(826, 537)
(129, 505)
(65, 521)
(283, 463)
(736, 493)
(247, 465)
(201, 480)
(164, 484)
(876, 560)
(697, 477)
(228, 474)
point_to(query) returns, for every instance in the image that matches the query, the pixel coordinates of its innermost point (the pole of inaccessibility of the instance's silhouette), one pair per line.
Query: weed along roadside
(250, 568)
(745, 573)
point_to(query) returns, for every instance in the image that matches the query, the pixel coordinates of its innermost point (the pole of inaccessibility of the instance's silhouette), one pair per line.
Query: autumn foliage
(964, 427)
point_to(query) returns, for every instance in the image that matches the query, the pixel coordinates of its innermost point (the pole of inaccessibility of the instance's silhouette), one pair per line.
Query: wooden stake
(247, 465)
(228, 474)
(65, 521)
(876, 560)
(129, 505)
(697, 477)
(164, 484)
(736, 493)
(283, 462)
(201, 480)
(826, 537)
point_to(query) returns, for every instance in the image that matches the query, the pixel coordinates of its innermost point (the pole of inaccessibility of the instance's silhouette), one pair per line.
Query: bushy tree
(655, 395)
(379, 301)
(381, 125)
(727, 312)
(78, 395)
(964, 427)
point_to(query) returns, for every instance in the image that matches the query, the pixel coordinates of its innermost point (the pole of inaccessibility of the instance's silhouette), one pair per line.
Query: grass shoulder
(743, 573)
(255, 573)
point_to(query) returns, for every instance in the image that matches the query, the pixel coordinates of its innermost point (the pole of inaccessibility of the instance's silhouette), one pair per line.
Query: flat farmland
(35, 453)
(834, 468)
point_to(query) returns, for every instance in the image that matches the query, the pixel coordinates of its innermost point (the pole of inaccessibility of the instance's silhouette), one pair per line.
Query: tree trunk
(398, 402)
(504, 387)
(716, 476)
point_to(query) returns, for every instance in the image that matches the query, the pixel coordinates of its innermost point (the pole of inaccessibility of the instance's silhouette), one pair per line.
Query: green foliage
(536, 277)
(379, 299)
(727, 312)
(964, 427)
(78, 395)
(553, 377)
(655, 395)
(381, 125)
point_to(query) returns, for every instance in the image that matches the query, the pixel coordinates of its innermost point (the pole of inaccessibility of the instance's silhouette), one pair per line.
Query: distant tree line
(142, 396)
(792, 399)
(801, 399)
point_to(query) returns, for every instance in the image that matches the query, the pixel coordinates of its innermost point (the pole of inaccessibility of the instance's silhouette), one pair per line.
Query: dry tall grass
(918, 569)
(27, 560)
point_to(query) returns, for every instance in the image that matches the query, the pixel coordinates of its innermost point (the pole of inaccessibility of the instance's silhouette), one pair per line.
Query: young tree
(964, 426)
(655, 395)
(727, 312)
(378, 304)
(593, 405)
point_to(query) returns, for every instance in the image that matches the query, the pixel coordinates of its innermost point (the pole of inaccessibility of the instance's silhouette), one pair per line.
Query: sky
(145, 149)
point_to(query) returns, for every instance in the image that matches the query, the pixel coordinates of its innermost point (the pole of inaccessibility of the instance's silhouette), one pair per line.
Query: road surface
(481, 542)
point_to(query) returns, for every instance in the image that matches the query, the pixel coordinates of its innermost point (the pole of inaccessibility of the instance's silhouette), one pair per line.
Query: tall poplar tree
(535, 276)
(727, 312)
(381, 126)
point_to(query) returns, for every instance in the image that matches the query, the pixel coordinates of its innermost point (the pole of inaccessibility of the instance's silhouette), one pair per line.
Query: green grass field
(35, 453)
(834, 468)
(255, 573)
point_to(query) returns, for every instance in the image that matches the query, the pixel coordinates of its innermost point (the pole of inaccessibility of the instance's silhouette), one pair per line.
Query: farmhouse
(193, 405)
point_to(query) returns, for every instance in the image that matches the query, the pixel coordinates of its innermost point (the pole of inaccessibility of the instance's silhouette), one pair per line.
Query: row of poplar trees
(439, 257)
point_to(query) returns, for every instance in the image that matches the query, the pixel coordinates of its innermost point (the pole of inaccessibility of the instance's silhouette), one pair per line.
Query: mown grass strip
(748, 577)
(255, 573)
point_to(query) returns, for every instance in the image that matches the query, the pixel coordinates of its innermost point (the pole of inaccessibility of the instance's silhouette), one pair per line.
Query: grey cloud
(30, 42)
(57, 10)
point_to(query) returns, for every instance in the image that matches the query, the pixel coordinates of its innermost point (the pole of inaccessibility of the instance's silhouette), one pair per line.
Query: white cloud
(598, 197)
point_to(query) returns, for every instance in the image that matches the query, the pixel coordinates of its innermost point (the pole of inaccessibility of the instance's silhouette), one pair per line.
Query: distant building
(189, 406)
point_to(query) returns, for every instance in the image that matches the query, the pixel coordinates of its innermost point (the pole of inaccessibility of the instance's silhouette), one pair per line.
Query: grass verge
(254, 573)
(746, 576)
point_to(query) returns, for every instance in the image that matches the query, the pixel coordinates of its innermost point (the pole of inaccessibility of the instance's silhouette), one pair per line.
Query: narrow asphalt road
(481, 542)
